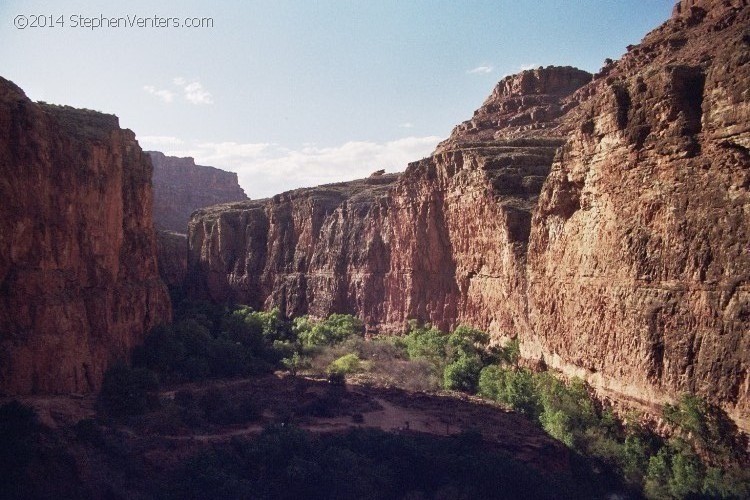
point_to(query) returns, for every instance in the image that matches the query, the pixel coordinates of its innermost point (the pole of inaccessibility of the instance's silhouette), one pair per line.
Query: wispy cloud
(406, 125)
(480, 70)
(193, 91)
(526, 67)
(163, 94)
(159, 142)
(265, 169)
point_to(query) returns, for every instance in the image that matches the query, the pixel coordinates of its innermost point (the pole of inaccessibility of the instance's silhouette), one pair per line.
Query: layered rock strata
(79, 285)
(181, 187)
(604, 221)
(442, 243)
(639, 258)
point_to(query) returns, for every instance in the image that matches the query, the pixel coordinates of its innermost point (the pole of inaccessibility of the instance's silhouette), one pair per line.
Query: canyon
(600, 219)
(79, 286)
(181, 187)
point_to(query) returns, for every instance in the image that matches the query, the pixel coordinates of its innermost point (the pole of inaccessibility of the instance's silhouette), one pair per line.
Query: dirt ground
(317, 406)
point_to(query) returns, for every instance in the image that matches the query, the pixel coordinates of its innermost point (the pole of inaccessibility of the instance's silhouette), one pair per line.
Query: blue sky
(297, 93)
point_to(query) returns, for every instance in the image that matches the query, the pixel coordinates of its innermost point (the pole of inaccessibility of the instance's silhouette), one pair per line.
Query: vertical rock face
(307, 251)
(181, 187)
(443, 243)
(639, 260)
(606, 222)
(171, 251)
(78, 278)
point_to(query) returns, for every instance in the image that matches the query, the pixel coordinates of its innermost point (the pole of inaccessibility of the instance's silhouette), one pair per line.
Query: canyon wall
(420, 246)
(639, 259)
(603, 220)
(181, 187)
(78, 276)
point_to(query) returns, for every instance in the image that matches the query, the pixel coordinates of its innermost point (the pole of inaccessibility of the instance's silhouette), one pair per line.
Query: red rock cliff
(181, 187)
(78, 278)
(444, 242)
(627, 263)
(639, 260)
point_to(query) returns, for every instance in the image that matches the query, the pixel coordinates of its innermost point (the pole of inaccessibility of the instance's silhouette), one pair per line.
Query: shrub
(511, 352)
(128, 391)
(19, 440)
(491, 383)
(463, 374)
(346, 364)
(426, 343)
(465, 341)
(333, 330)
(294, 363)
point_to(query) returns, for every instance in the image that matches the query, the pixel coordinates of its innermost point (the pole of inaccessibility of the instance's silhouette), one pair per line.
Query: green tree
(346, 364)
(463, 374)
(333, 330)
(425, 342)
(128, 391)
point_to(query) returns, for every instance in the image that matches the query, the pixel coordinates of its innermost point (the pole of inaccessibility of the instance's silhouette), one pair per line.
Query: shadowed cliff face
(181, 187)
(627, 263)
(78, 279)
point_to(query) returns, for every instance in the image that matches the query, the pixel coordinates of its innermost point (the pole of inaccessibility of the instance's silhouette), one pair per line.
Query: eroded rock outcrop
(181, 187)
(78, 279)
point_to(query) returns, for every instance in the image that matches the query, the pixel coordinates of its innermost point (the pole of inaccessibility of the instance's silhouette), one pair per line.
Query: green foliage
(463, 374)
(346, 364)
(511, 352)
(567, 410)
(425, 342)
(128, 391)
(237, 343)
(634, 458)
(731, 483)
(690, 414)
(294, 363)
(687, 474)
(332, 330)
(658, 474)
(285, 463)
(515, 388)
(466, 342)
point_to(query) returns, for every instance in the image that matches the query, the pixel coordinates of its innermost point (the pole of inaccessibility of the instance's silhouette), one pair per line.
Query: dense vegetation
(287, 463)
(701, 455)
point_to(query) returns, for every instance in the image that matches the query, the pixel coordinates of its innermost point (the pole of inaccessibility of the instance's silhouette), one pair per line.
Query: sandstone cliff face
(309, 250)
(627, 263)
(443, 243)
(181, 187)
(639, 261)
(78, 279)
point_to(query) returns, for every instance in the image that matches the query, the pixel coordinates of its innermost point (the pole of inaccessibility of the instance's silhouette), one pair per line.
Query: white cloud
(526, 67)
(406, 125)
(195, 94)
(480, 70)
(163, 94)
(150, 142)
(266, 169)
(193, 91)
